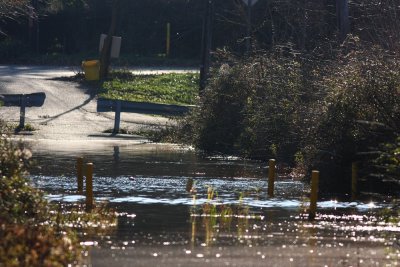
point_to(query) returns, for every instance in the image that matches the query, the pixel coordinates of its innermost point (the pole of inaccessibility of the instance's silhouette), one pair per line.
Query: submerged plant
(217, 216)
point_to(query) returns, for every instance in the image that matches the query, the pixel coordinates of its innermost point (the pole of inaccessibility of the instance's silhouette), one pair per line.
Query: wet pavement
(69, 110)
(160, 224)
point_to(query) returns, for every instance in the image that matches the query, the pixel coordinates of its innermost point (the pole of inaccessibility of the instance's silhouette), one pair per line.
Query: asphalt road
(69, 112)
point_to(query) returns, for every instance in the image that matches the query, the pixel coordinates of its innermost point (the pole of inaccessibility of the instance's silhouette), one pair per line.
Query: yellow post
(168, 45)
(314, 194)
(89, 186)
(79, 174)
(354, 178)
(271, 177)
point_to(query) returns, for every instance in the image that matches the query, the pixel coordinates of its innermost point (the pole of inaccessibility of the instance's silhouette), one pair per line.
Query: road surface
(69, 112)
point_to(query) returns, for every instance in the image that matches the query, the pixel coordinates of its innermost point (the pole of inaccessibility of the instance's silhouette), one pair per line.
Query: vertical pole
(30, 27)
(206, 44)
(117, 119)
(271, 177)
(34, 27)
(79, 174)
(168, 45)
(37, 35)
(314, 194)
(342, 13)
(22, 112)
(189, 185)
(354, 178)
(248, 31)
(105, 55)
(89, 187)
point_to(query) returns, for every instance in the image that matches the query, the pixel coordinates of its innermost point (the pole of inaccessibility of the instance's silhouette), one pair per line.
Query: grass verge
(171, 88)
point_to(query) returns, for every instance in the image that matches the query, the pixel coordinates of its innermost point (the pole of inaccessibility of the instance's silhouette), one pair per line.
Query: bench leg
(117, 119)
(22, 113)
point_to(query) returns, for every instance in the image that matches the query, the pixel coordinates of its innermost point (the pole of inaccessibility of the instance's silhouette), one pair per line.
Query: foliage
(10, 9)
(214, 206)
(250, 107)
(307, 25)
(389, 160)
(172, 88)
(318, 116)
(10, 49)
(392, 213)
(359, 112)
(27, 245)
(14, 158)
(376, 22)
(26, 229)
(58, 6)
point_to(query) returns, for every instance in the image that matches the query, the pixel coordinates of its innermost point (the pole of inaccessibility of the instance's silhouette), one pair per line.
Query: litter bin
(91, 69)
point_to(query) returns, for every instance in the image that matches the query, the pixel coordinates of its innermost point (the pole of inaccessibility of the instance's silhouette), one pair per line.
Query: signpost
(23, 101)
(115, 45)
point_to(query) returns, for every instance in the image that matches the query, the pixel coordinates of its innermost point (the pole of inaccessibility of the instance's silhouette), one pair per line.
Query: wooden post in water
(271, 177)
(189, 185)
(314, 194)
(354, 178)
(79, 174)
(89, 187)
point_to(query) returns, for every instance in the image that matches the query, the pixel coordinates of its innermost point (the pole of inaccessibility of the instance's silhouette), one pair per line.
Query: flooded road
(227, 220)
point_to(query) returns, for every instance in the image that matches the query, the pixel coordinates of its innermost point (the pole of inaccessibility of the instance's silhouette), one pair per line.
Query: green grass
(172, 88)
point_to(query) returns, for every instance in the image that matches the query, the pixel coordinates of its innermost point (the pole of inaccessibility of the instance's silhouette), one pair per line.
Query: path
(69, 112)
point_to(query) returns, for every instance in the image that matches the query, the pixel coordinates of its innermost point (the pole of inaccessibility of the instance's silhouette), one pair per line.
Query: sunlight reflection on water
(158, 218)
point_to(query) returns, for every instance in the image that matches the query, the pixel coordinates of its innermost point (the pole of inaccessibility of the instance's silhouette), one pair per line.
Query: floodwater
(161, 224)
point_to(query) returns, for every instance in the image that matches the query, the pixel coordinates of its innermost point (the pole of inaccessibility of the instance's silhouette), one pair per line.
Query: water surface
(162, 224)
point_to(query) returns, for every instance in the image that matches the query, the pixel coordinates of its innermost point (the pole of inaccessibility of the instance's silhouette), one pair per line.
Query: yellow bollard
(89, 186)
(168, 44)
(354, 178)
(79, 174)
(314, 194)
(271, 177)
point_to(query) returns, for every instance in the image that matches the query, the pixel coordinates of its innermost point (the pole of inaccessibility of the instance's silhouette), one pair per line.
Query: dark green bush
(251, 106)
(360, 111)
(321, 114)
(11, 49)
(389, 160)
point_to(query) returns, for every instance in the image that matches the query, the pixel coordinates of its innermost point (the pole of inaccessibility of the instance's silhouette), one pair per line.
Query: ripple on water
(169, 190)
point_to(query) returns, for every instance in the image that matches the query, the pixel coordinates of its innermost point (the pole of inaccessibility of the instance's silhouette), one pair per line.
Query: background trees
(74, 26)
(303, 88)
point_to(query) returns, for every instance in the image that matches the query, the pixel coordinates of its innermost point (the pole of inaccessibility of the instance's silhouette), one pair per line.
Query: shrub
(360, 111)
(250, 107)
(326, 113)
(29, 232)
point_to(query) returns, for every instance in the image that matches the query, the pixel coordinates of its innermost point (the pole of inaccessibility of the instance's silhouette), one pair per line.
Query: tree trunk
(105, 56)
(342, 11)
(206, 44)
